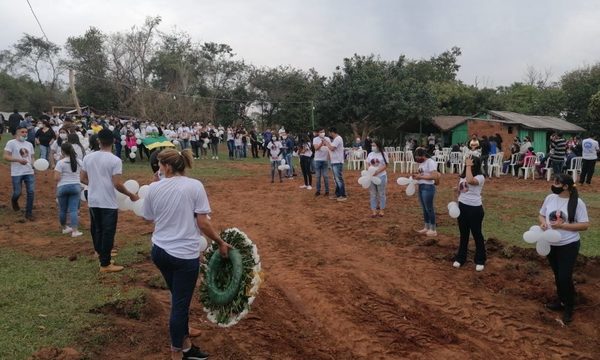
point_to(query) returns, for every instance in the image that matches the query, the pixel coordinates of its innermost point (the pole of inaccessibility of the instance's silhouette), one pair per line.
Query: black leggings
(562, 260)
(469, 222)
(305, 166)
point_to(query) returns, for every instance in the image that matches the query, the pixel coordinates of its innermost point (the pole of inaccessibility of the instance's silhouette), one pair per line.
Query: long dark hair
(565, 179)
(422, 152)
(68, 149)
(475, 169)
(380, 147)
(73, 139)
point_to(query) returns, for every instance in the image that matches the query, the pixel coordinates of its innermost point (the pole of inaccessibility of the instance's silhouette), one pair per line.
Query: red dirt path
(340, 285)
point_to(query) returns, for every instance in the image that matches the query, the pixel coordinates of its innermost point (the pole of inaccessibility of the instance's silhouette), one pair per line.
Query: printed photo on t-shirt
(463, 187)
(557, 215)
(24, 153)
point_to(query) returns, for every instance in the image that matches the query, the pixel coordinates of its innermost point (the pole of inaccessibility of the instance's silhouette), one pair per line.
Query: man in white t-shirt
(19, 152)
(589, 153)
(321, 161)
(336, 153)
(101, 171)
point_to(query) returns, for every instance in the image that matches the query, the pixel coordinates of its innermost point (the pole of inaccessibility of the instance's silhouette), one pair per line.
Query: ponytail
(573, 201)
(179, 160)
(68, 149)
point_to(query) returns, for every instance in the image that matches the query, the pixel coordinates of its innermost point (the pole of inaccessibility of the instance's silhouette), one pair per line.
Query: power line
(38, 22)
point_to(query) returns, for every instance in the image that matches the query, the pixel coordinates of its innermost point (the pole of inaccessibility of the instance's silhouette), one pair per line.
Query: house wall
(490, 128)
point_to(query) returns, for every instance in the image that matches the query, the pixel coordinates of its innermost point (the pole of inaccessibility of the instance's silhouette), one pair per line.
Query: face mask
(22, 138)
(321, 135)
(357, 140)
(63, 136)
(375, 149)
(557, 189)
(111, 128)
(284, 136)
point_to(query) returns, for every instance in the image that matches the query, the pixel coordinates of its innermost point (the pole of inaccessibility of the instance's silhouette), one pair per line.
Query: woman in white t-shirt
(471, 213)
(68, 189)
(275, 147)
(565, 212)
(179, 207)
(378, 159)
(426, 179)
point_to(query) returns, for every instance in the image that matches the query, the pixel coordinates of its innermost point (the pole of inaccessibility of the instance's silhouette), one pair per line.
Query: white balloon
(123, 143)
(132, 155)
(372, 169)
(542, 247)
(364, 173)
(205, 146)
(175, 142)
(452, 204)
(282, 161)
(364, 180)
(41, 164)
(410, 189)
(402, 181)
(454, 212)
(138, 207)
(132, 186)
(134, 148)
(143, 191)
(376, 180)
(83, 193)
(123, 137)
(536, 228)
(281, 167)
(531, 237)
(366, 185)
(286, 167)
(125, 204)
(138, 141)
(552, 236)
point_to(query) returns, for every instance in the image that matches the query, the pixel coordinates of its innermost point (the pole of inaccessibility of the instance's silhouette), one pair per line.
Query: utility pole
(312, 114)
(73, 92)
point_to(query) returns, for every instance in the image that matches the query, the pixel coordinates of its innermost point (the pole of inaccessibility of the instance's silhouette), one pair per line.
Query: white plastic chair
(409, 162)
(514, 158)
(575, 167)
(440, 159)
(528, 167)
(495, 164)
(539, 157)
(357, 159)
(456, 160)
(397, 159)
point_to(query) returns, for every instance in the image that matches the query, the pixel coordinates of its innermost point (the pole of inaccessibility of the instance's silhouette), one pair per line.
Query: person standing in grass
(179, 207)
(471, 215)
(68, 189)
(565, 212)
(378, 159)
(101, 171)
(426, 180)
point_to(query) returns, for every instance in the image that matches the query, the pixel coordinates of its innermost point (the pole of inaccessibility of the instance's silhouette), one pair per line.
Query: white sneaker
(456, 264)
(431, 233)
(216, 158)
(309, 187)
(423, 231)
(213, 158)
(67, 230)
(76, 233)
(479, 267)
(303, 187)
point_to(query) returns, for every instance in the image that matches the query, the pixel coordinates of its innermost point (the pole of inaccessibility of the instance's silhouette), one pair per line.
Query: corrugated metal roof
(447, 122)
(537, 122)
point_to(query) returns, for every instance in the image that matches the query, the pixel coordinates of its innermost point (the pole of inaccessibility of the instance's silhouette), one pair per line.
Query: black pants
(254, 148)
(103, 226)
(587, 171)
(305, 166)
(195, 145)
(562, 260)
(469, 222)
(485, 165)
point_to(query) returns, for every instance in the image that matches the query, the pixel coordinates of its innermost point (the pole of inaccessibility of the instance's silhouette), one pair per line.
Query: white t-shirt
(171, 203)
(337, 154)
(274, 149)
(589, 149)
(555, 205)
(20, 150)
(469, 194)
(184, 132)
(67, 176)
(323, 153)
(426, 168)
(376, 159)
(100, 167)
(307, 150)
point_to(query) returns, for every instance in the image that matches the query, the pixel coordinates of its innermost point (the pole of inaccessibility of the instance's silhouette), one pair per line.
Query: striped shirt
(560, 147)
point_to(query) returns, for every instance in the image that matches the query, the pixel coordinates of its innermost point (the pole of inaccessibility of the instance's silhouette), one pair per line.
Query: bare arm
(84, 177)
(118, 184)
(572, 226)
(206, 227)
(8, 157)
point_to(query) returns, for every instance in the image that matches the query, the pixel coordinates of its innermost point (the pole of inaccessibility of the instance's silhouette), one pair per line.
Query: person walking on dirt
(336, 153)
(426, 180)
(19, 152)
(68, 189)
(565, 212)
(179, 207)
(471, 215)
(101, 171)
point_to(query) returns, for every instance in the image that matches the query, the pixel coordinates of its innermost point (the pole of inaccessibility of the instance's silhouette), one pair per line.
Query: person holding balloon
(426, 177)
(565, 212)
(179, 207)
(377, 159)
(471, 213)
(19, 152)
(68, 189)
(101, 171)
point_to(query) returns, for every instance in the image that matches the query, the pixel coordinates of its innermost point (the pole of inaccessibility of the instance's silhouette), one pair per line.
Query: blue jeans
(274, 168)
(288, 160)
(426, 196)
(29, 186)
(181, 276)
(231, 148)
(68, 202)
(340, 189)
(185, 144)
(321, 168)
(557, 167)
(103, 226)
(118, 148)
(44, 152)
(377, 192)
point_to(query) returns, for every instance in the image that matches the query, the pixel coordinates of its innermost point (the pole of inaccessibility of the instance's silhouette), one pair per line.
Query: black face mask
(557, 189)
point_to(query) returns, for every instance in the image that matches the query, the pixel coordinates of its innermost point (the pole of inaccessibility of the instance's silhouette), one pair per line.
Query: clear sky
(499, 39)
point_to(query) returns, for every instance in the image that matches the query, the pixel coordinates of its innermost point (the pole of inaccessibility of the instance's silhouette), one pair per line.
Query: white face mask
(375, 149)
(322, 135)
(63, 136)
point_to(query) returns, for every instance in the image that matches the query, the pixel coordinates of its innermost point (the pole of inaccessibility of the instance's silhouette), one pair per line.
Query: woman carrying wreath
(179, 207)
(565, 212)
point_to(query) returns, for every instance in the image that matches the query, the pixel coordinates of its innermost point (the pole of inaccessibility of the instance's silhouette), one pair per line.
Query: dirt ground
(341, 285)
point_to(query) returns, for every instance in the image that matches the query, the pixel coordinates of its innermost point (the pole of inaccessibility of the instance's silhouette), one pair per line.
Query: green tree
(579, 86)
